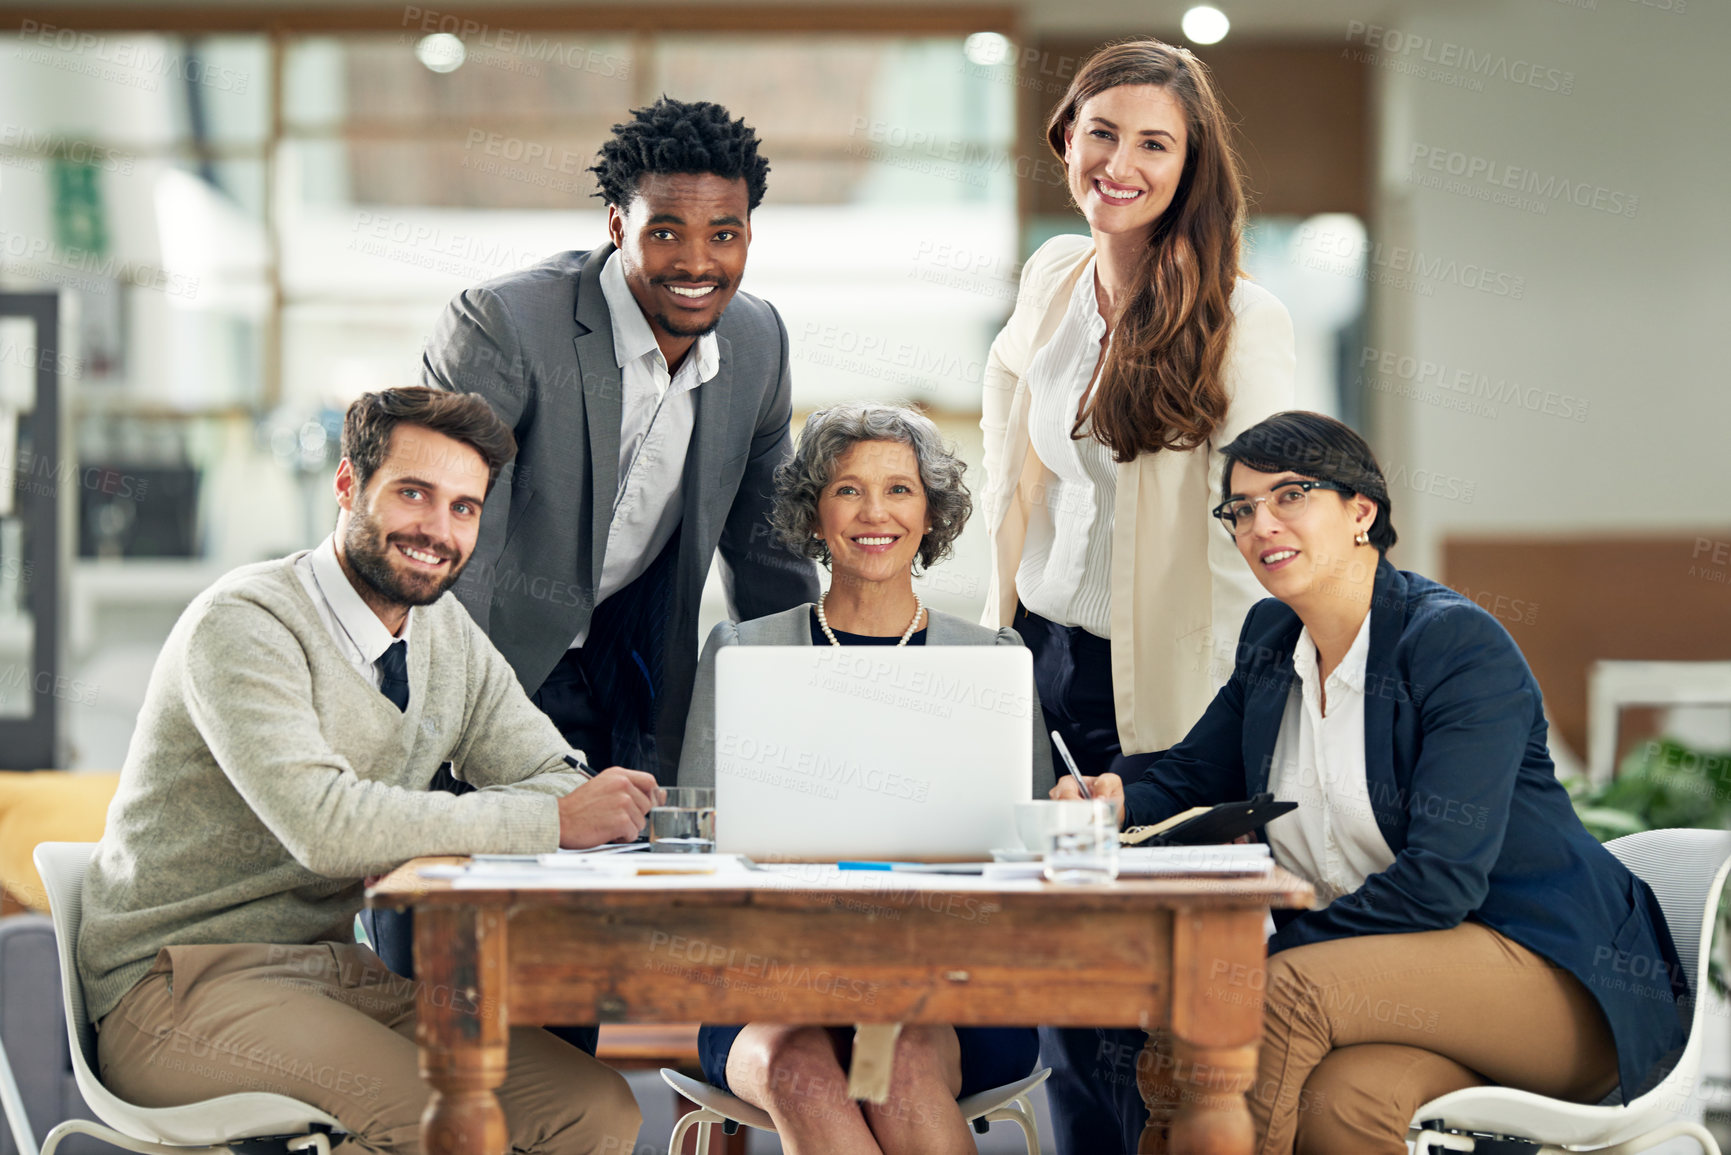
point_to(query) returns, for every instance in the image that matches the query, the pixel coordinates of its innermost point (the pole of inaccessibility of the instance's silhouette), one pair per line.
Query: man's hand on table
(610, 807)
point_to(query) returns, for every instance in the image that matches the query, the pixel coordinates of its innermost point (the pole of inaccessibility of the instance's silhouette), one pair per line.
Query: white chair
(1686, 869)
(1613, 685)
(252, 1122)
(1008, 1103)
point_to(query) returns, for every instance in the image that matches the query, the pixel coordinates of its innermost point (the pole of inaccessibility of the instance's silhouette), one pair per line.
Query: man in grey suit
(650, 400)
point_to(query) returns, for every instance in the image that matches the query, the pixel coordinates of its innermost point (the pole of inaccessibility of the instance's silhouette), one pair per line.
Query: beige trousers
(329, 1025)
(1361, 1032)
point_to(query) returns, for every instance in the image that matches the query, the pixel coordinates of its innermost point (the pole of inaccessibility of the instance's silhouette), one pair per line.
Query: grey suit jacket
(538, 345)
(793, 628)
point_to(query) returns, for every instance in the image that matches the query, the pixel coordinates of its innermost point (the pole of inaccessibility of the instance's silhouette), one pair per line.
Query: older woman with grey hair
(874, 494)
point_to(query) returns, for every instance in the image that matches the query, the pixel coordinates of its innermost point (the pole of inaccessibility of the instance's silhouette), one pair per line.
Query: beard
(369, 554)
(674, 328)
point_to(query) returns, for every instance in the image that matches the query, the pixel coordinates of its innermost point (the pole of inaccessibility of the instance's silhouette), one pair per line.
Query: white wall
(1626, 314)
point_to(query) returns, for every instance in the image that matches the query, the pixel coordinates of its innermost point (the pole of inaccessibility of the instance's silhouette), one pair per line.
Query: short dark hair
(679, 137)
(374, 417)
(1317, 446)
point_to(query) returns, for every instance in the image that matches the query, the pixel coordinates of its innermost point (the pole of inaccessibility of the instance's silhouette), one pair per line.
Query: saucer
(1017, 854)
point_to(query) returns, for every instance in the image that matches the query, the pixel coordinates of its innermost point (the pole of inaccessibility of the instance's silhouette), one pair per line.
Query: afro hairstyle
(674, 136)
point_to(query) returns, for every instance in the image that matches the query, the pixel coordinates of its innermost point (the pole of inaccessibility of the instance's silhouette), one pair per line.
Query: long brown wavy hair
(1161, 386)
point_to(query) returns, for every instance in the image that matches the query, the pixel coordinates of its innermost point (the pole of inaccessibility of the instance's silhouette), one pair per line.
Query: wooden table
(1184, 954)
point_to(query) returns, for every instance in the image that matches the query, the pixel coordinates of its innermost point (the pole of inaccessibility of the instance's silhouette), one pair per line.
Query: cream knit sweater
(267, 777)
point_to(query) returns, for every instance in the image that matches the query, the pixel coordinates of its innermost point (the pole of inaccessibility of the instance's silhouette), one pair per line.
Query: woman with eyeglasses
(1133, 354)
(1468, 930)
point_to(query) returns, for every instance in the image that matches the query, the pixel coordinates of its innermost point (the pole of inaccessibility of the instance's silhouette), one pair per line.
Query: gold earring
(1362, 538)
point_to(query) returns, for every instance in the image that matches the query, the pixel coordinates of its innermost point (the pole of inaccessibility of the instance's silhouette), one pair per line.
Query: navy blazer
(1463, 790)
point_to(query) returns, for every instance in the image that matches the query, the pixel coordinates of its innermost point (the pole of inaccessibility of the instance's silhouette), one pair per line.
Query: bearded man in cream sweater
(293, 723)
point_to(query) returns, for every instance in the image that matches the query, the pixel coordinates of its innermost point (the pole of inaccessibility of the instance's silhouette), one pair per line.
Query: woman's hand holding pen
(610, 807)
(1102, 786)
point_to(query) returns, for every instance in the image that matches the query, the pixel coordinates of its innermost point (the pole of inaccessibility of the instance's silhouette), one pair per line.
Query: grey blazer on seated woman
(793, 628)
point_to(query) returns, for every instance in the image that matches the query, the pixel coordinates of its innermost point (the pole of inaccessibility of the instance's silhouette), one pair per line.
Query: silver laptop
(824, 754)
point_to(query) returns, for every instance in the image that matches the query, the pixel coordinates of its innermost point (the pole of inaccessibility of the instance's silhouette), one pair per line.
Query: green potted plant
(1664, 784)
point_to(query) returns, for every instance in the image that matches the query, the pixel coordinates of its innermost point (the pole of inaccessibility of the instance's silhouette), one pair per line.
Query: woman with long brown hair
(1133, 354)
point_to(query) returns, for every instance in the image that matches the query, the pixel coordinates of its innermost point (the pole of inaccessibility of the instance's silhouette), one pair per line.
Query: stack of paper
(1232, 861)
(1157, 861)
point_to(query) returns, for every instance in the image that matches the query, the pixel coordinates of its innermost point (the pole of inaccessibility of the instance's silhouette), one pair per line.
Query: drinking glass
(1082, 841)
(685, 822)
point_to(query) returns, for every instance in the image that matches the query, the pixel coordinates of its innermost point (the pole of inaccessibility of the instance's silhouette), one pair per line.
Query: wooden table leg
(1217, 961)
(461, 1027)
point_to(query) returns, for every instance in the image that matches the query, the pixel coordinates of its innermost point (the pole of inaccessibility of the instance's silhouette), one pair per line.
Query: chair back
(211, 1123)
(1687, 871)
(62, 866)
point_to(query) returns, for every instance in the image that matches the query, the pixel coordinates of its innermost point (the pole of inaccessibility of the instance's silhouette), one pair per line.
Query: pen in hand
(1070, 764)
(588, 774)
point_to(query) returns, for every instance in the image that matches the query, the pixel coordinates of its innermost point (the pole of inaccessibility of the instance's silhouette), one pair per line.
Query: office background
(1500, 225)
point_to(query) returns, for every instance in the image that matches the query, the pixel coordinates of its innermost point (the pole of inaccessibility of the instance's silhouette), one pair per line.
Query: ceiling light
(1205, 25)
(443, 52)
(986, 48)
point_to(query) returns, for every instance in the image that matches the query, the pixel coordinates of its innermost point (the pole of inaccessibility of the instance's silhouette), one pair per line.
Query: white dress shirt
(357, 630)
(1332, 839)
(1066, 570)
(654, 437)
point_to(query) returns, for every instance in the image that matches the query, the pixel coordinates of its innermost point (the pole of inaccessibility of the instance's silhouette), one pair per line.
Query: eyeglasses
(1287, 502)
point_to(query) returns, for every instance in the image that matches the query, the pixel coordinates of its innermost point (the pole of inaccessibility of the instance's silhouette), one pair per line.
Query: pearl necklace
(823, 621)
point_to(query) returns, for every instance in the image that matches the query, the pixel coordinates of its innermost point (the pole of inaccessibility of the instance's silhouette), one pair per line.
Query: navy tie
(394, 674)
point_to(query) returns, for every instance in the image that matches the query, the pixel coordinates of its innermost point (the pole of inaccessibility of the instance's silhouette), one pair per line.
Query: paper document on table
(556, 871)
(1250, 860)
(652, 863)
(1155, 861)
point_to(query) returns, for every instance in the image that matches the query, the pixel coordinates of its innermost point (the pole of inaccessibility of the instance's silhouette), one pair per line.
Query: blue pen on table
(1070, 764)
(916, 867)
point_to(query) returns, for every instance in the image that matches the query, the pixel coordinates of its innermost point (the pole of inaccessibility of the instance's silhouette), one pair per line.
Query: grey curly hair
(831, 432)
